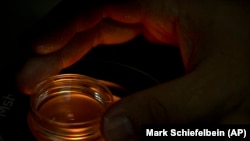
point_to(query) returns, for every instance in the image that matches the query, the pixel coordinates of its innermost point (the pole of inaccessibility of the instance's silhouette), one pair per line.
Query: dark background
(135, 65)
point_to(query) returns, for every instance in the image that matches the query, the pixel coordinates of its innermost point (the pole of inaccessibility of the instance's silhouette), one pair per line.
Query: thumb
(124, 119)
(197, 96)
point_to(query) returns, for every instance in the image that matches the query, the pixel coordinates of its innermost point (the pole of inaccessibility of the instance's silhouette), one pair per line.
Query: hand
(213, 37)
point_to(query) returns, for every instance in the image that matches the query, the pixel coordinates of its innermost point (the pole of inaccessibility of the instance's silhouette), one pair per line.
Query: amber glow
(71, 108)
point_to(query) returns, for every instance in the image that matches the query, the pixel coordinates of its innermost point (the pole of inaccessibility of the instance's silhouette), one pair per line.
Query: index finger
(60, 25)
(69, 18)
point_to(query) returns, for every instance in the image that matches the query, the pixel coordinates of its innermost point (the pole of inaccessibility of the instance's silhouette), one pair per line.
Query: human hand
(213, 37)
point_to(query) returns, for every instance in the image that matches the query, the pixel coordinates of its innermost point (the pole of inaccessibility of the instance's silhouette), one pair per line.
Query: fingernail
(118, 128)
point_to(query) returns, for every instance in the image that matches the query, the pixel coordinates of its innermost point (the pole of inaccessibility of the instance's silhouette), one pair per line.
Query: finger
(129, 11)
(106, 32)
(70, 18)
(61, 24)
(159, 18)
(37, 69)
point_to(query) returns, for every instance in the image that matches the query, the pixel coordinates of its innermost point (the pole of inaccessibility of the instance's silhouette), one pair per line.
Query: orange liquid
(71, 108)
